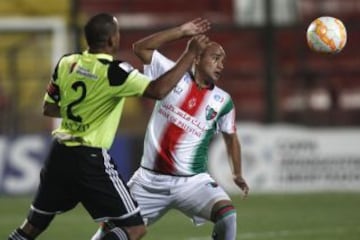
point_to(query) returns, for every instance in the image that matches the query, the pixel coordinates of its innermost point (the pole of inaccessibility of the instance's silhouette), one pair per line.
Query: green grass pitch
(320, 216)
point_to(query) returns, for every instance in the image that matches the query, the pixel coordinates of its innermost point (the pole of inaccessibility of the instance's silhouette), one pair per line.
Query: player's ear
(197, 60)
(114, 41)
(111, 41)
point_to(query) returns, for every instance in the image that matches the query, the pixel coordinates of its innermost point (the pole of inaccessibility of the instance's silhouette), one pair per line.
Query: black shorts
(87, 175)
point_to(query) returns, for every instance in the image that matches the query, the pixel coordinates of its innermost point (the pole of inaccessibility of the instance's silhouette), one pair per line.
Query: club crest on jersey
(210, 113)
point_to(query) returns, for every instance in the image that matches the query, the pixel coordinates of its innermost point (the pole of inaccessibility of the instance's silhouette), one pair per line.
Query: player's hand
(195, 27)
(241, 183)
(197, 44)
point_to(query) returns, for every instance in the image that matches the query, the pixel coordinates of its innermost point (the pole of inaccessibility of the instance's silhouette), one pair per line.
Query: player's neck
(101, 50)
(201, 83)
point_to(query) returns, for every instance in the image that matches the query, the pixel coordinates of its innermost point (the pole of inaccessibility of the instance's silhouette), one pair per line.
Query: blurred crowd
(304, 87)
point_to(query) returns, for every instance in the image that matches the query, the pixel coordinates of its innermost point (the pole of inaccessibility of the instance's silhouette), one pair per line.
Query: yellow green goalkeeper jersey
(90, 90)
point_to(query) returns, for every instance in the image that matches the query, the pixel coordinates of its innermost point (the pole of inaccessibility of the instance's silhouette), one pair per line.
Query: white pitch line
(285, 233)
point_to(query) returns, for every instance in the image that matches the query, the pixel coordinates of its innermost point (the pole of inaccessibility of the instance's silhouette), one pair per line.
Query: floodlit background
(298, 111)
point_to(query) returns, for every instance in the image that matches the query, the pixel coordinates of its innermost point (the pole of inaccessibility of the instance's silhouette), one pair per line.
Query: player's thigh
(55, 193)
(102, 190)
(153, 202)
(198, 196)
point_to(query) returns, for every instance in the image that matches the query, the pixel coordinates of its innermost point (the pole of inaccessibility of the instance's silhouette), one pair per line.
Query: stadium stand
(244, 76)
(298, 71)
(25, 67)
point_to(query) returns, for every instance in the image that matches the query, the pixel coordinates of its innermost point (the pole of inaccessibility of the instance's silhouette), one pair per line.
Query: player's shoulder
(118, 71)
(122, 66)
(64, 63)
(69, 56)
(222, 100)
(220, 94)
(159, 59)
(116, 63)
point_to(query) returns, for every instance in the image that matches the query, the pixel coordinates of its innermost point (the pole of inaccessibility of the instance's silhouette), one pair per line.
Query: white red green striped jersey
(183, 123)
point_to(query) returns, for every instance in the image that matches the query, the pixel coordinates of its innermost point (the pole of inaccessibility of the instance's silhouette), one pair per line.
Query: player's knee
(225, 227)
(39, 221)
(125, 233)
(132, 228)
(136, 232)
(224, 218)
(222, 209)
(35, 224)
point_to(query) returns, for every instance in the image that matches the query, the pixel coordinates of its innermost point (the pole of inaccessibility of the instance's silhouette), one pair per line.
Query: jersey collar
(99, 55)
(210, 87)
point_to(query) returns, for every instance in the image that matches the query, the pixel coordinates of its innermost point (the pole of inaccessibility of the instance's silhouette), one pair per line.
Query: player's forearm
(158, 39)
(236, 161)
(234, 151)
(159, 88)
(145, 47)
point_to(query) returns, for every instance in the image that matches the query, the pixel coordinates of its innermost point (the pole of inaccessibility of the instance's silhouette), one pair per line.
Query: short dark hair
(99, 29)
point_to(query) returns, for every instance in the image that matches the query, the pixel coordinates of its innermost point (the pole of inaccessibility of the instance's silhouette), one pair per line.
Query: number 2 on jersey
(69, 111)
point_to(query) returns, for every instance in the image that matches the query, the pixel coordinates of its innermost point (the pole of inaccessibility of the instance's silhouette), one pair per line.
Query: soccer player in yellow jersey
(87, 91)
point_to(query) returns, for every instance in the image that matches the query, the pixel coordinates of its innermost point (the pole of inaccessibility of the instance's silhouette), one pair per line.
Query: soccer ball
(326, 35)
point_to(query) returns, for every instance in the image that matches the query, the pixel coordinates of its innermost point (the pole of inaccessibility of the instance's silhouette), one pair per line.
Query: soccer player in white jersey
(173, 172)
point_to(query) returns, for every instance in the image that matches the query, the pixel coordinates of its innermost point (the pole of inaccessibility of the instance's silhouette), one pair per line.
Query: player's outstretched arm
(144, 48)
(159, 88)
(232, 144)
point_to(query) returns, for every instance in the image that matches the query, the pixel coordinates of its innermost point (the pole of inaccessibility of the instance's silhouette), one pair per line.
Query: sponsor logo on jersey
(178, 90)
(210, 113)
(83, 71)
(188, 79)
(218, 98)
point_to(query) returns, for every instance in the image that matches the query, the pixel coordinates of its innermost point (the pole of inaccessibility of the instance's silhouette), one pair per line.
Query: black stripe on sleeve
(118, 72)
(55, 73)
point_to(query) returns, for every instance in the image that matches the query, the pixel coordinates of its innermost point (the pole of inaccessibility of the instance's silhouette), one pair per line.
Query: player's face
(211, 63)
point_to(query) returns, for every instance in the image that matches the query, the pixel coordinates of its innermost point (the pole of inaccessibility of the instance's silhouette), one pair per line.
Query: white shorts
(156, 194)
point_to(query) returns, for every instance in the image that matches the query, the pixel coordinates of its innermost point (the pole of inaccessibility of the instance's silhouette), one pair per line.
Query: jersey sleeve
(135, 84)
(127, 81)
(158, 66)
(227, 120)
